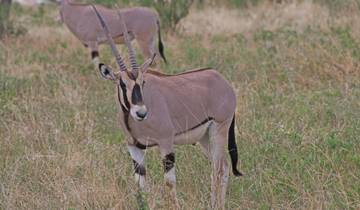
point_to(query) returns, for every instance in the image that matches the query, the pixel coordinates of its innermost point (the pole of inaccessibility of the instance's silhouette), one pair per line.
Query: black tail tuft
(161, 45)
(232, 148)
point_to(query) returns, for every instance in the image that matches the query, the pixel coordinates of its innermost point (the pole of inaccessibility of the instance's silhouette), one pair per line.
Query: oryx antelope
(143, 25)
(166, 110)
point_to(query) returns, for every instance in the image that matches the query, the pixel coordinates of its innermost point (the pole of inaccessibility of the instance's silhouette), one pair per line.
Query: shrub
(170, 11)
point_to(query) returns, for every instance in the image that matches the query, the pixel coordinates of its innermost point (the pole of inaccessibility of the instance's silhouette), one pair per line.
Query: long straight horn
(114, 50)
(132, 58)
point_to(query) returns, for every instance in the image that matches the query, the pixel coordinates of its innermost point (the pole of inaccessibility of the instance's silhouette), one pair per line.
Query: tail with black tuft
(233, 148)
(161, 45)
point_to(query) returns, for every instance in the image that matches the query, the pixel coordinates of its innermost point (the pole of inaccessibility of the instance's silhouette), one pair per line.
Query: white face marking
(140, 109)
(122, 100)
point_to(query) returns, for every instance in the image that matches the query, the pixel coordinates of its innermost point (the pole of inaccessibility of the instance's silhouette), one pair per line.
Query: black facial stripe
(123, 88)
(169, 162)
(136, 96)
(125, 111)
(139, 169)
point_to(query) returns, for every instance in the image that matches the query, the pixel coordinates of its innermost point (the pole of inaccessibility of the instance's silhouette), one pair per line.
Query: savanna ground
(295, 69)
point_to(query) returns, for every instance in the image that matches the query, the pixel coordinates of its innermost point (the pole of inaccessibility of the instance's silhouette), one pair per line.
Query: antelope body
(161, 110)
(143, 25)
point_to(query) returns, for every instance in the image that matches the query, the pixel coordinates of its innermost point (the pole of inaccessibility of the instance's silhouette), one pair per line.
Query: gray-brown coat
(143, 25)
(161, 110)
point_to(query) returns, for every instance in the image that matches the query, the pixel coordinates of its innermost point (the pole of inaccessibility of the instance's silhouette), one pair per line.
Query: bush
(170, 11)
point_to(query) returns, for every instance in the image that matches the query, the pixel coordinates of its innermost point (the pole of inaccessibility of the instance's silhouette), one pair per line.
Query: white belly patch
(192, 136)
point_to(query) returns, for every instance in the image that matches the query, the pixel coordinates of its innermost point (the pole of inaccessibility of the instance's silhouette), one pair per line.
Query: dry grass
(297, 15)
(298, 118)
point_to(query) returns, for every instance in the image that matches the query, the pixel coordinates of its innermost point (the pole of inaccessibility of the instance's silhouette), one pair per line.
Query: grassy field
(297, 120)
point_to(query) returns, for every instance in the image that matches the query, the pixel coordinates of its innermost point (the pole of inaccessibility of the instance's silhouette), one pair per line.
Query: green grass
(297, 121)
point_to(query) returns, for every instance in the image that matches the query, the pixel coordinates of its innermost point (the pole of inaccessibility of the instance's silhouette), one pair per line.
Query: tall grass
(297, 121)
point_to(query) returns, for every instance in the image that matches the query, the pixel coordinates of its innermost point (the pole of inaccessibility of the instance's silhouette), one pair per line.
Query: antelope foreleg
(139, 167)
(170, 177)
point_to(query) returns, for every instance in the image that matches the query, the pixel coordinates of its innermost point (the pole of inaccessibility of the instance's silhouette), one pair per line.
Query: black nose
(141, 115)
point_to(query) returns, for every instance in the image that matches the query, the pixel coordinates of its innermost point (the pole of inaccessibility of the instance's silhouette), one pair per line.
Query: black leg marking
(94, 54)
(124, 107)
(139, 169)
(169, 162)
(123, 88)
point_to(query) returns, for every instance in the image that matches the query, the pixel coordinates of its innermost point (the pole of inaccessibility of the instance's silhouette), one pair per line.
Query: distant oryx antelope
(143, 25)
(166, 110)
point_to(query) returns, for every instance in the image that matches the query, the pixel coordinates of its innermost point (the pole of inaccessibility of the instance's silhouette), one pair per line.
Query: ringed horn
(132, 58)
(114, 50)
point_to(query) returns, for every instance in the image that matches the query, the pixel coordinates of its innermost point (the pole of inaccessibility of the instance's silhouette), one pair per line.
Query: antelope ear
(106, 72)
(147, 63)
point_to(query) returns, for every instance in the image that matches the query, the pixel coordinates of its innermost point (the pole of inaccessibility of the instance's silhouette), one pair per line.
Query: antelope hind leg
(218, 134)
(148, 48)
(94, 52)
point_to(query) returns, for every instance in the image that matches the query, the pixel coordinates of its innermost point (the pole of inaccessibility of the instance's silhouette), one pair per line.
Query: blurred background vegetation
(172, 11)
(295, 68)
